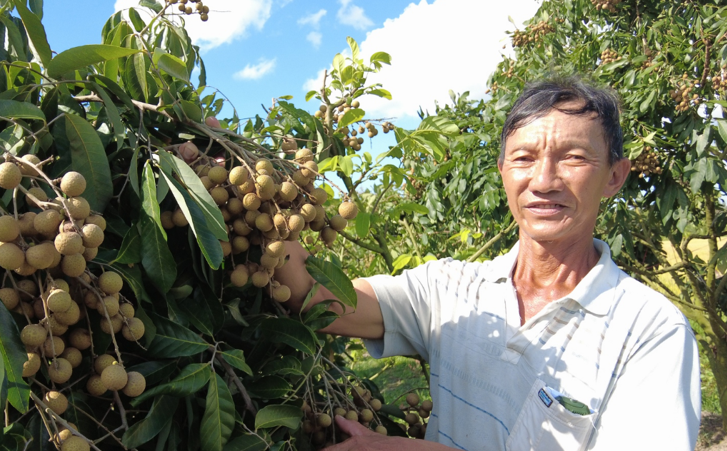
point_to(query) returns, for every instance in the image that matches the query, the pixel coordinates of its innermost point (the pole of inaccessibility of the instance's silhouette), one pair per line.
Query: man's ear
(619, 172)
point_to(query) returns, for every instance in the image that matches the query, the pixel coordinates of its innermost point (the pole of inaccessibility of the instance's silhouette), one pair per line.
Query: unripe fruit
(75, 443)
(11, 256)
(9, 297)
(78, 207)
(73, 356)
(351, 415)
(217, 175)
(47, 222)
(412, 399)
(324, 420)
(9, 229)
(32, 365)
(59, 300)
(110, 282)
(60, 370)
(375, 404)
(114, 377)
(260, 278)
(179, 219)
(10, 175)
(133, 329)
(102, 362)
(366, 415)
(42, 256)
(33, 335)
(53, 346)
(73, 265)
(73, 184)
(281, 293)
(95, 385)
(56, 401)
(135, 385)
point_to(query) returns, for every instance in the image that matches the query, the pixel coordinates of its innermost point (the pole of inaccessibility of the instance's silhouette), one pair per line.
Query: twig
(60, 420)
(238, 383)
(492, 241)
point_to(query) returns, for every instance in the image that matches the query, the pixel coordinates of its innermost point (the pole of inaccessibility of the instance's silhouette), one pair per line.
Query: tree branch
(492, 241)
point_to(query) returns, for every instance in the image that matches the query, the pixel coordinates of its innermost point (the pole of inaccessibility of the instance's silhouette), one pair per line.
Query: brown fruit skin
(127, 310)
(179, 219)
(375, 404)
(352, 415)
(412, 399)
(97, 220)
(114, 377)
(26, 169)
(79, 339)
(11, 256)
(59, 301)
(56, 401)
(260, 278)
(78, 207)
(73, 356)
(10, 297)
(380, 429)
(75, 443)
(52, 343)
(70, 316)
(9, 229)
(41, 256)
(33, 335)
(62, 373)
(427, 405)
(73, 265)
(102, 362)
(219, 195)
(135, 385)
(110, 282)
(95, 385)
(92, 235)
(32, 365)
(338, 223)
(282, 293)
(240, 275)
(239, 175)
(134, 330)
(324, 420)
(217, 174)
(46, 222)
(69, 243)
(366, 415)
(318, 196)
(109, 304)
(348, 210)
(166, 218)
(117, 322)
(328, 235)
(73, 184)
(10, 175)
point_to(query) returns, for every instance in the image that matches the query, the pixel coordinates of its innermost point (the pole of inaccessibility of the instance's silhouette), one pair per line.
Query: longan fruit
(73, 184)
(219, 195)
(411, 418)
(69, 243)
(75, 443)
(9, 229)
(303, 155)
(309, 169)
(268, 261)
(59, 300)
(27, 289)
(10, 175)
(60, 370)
(133, 329)
(351, 415)
(265, 187)
(239, 175)
(179, 219)
(26, 269)
(412, 399)
(240, 275)
(318, 196)
(338, 223)
(427, 405)
(97, 220)
(52, 343)
(33, 335)
(114, 377)
(90, 253)
(56, 327)
(108, 304)
(348, 210)
(41, 256)
(127, 310)
(9, 297)
(117, 322)
(264, 165)
(375, 404)
(260, 278)
(328, 235)
(78, 207)
(234, 206)
(46, 222)
(324, 420)
(95, 385)
(92, 235)
(11, 256)
(281, 293)
(264, 222)
(296, 223)
(27, 169)
(240, 244)
(73, 355)
(166, 219)
(56, 401)
(136, 384)
(32, 365)
(366, 415)
(26, 224)
(73, 265)
(102, 362)
(110, 282)
(381, 429)
(251, 201)
(70, 316)
(288, 191)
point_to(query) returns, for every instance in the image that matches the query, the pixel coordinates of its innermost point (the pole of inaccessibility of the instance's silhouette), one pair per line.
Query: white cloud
(458, 45)
(313, 19)
(353, 15)
(314, 83)
(315, 38)
(254, 72)
(229, 20)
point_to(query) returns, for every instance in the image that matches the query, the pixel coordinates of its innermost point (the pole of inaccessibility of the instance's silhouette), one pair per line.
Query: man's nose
(546, 176)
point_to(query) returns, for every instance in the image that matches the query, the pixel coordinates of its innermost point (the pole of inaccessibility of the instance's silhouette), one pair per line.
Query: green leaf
(278, 415)
(329, 164)
(246, 443)
(16, 40)
(156, 257)
(285, 365)
(290, 332)
(401, 262)
(89, 158)
(161, 413)
(13, 357)
(190, 380)
(236, 358)
(136, 19)
(173, 340)
(151, 4)
(351, 116)
(354, 47)
(270, 387)
(114, 116)
(191, 110)
(36, 32)
(173, 66)
(338, 63)
(380, 57)
(85, 55)
(219, 416)
(155, 371)
(646, 104)
(130, 249)
(381, 93)
(20, 110)
(363, 224)
(310, 94)
(204, 310)
(333, 278)
(136, 69)
(704, 140)
(345, 165)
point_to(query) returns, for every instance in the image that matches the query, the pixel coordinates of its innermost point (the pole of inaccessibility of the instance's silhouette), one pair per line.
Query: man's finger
(352, 427)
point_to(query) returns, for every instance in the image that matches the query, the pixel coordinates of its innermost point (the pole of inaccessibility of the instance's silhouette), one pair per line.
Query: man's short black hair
(540, 98)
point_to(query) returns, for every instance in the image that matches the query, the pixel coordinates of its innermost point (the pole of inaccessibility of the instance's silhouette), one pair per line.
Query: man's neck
(549, 271)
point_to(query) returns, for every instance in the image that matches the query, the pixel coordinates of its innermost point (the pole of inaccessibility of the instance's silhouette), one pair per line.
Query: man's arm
(364, 439)
(364, 322)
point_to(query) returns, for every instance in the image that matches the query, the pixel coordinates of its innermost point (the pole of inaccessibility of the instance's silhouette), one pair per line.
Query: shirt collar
(595, 292)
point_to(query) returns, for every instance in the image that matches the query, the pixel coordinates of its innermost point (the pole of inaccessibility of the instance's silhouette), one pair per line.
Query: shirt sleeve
(407, 304)
(656, 401)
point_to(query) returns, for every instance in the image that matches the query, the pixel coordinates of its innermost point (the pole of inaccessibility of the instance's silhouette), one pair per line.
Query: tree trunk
(716, 350)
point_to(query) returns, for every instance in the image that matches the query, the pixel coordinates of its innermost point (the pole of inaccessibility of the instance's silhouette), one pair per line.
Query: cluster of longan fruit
(199, 8)
(646, 163)
(532, 34)
(719, 82)
(416, 415)
(264, 205)
(608, 5)
(609, 56)
(353, 137)
(683, 96)
(318, 425)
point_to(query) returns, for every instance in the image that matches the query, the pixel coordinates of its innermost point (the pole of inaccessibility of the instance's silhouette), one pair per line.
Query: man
(550, 346)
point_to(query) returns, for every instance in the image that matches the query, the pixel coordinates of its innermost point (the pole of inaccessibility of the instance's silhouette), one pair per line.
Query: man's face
(555, 171)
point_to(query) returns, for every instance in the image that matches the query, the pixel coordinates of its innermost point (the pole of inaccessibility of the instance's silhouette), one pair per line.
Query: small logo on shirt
(547, 400)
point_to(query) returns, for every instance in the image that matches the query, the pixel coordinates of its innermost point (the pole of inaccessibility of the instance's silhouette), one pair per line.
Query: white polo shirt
(613, 344)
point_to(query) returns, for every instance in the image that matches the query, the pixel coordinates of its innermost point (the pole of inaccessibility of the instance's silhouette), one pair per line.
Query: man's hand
(364, 439)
